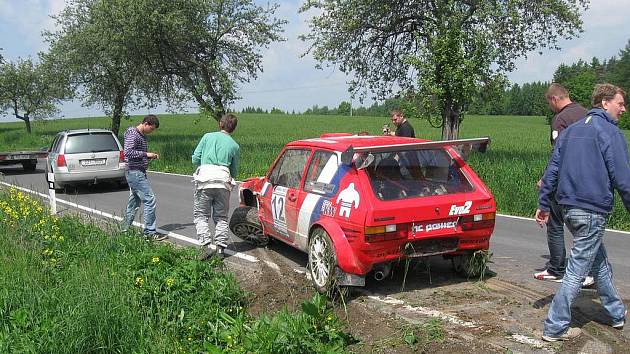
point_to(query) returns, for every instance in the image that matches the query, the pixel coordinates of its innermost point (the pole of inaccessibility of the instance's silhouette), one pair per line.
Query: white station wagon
(86, 156)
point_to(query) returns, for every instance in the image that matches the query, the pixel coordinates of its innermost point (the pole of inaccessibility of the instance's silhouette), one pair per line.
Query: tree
(29, 90)
(344, 108)
(440, 51)
(206, 47)
(96, 50)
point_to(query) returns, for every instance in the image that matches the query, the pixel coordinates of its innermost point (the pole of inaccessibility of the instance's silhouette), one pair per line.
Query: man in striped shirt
(140, 191)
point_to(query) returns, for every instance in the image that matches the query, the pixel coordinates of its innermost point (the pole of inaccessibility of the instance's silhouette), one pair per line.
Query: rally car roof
(341, 141)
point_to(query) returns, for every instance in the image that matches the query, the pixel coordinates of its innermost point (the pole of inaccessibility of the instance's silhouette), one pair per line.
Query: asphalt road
(519, 246)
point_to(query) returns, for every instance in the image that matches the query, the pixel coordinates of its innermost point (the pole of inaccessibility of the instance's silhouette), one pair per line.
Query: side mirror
(347, 156)
(362, 163)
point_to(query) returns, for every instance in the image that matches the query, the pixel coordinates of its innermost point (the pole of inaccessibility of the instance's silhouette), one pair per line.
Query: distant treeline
(526, 100)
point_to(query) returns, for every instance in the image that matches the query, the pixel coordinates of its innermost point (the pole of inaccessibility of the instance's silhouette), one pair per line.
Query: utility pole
(350, 106)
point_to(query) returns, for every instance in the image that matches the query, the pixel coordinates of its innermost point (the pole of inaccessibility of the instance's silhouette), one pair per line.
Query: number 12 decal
(277, 207)
(278, 204)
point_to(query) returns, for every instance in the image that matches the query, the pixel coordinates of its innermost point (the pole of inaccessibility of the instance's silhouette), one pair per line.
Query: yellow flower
(170, 282)
(155, 260)
(139, 281)
(61, 238)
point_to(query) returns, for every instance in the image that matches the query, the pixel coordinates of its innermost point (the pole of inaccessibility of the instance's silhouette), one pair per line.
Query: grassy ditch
(70, 287)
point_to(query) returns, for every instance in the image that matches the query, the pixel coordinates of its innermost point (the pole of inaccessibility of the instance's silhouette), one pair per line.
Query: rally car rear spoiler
(463, 147)
(475, 144)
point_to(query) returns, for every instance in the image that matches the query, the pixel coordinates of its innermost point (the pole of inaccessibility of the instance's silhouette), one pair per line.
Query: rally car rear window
(416, 173)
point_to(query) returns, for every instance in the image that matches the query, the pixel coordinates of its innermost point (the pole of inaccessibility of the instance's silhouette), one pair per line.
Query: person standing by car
(589, 161)
(217, 157)
(403, 128)
(566, 113)
(140, 191)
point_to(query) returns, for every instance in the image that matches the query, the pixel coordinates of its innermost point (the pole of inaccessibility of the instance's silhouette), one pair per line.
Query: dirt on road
(435, 311)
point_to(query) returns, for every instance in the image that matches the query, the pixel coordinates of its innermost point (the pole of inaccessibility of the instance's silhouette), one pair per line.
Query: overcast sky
(290, 82)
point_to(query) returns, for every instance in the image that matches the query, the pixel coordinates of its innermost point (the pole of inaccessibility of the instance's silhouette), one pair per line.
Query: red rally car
(357, 203)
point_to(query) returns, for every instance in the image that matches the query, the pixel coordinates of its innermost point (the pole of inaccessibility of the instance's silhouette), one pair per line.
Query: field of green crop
(511, 167)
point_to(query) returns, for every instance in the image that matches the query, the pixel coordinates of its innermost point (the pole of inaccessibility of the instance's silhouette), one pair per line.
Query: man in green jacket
(217, 158)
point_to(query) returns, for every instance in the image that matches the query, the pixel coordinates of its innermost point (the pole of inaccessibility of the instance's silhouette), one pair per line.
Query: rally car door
(281, 204)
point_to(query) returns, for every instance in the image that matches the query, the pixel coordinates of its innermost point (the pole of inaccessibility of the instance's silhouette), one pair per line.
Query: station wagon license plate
(93, 162)
(21, 157)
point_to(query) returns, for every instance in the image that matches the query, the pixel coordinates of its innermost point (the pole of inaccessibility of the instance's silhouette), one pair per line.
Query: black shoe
(220, 252)
(206, 253)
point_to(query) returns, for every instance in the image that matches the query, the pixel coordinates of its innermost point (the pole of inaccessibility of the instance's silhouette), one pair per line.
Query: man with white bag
(217, 158)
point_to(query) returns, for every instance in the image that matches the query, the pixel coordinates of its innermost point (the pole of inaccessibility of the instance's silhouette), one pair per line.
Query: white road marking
(424, 311)
(135, 223)
(523, 339)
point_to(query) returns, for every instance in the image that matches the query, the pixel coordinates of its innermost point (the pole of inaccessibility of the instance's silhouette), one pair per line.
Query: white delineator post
(51, 192)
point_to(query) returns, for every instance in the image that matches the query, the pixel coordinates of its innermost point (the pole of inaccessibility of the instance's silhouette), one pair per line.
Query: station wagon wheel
(322, 261)
(244, 224)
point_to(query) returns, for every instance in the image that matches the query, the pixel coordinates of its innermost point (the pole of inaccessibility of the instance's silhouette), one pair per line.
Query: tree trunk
(450, 121)
(27, 121)
(117, 112)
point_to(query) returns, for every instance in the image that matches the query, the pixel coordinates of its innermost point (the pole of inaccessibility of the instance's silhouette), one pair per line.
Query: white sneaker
(588, 281)
(568, 335)
(619, 325)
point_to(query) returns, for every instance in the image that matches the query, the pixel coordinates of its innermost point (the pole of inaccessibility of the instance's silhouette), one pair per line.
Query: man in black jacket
(403, 128)
(566, 113)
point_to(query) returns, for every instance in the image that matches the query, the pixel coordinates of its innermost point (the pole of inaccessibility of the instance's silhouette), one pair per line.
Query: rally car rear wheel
(464, 266)
(244, 224)
(322, 261)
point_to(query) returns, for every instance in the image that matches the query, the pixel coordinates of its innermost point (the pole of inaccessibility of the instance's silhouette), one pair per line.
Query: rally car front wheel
(244, 224)
(322, 261)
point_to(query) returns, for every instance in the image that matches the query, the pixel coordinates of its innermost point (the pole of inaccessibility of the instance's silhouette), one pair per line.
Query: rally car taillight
(385, 232)
(477, 221)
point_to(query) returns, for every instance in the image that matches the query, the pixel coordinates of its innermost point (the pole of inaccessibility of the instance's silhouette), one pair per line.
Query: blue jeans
(588, 252)
(140, 192)
(555, 239)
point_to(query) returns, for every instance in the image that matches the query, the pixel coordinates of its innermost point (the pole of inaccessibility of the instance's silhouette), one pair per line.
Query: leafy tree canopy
(207, 47)
(95, 48)
(29, 90)
(439, 51)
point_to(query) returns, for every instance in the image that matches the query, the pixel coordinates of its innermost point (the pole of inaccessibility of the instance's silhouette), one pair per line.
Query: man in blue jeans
(589, 161)
(137, 158)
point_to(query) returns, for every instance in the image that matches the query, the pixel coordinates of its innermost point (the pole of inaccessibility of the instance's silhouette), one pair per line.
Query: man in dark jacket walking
(589, 161)
(566, 113)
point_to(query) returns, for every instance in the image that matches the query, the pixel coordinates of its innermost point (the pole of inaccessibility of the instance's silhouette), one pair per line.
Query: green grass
(515, 161)
(69, 286)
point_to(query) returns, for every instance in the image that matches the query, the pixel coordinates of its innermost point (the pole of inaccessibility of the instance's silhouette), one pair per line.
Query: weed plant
(70, 287)
(513, 164)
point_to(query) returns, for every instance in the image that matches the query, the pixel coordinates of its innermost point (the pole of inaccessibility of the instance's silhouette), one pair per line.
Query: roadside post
(50, 178)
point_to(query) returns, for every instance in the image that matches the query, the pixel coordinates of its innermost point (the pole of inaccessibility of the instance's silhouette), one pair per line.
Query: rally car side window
(322, 169)
(289, 169)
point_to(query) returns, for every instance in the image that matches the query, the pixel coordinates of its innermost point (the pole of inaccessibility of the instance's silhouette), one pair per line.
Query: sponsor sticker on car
(434, 226)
